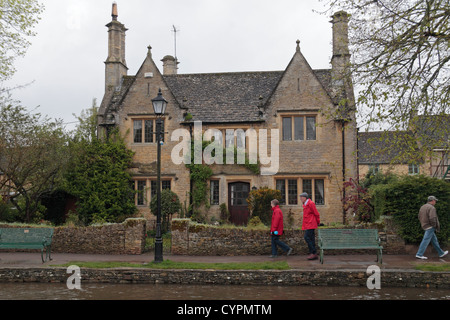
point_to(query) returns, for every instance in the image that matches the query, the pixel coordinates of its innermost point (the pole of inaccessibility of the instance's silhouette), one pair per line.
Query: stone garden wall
(116, 238)
(190, 238)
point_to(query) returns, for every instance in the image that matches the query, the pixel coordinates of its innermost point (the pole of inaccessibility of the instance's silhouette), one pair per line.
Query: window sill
(298, 140)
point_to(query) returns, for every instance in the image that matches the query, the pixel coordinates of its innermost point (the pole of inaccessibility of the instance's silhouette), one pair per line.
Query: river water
(100, 291)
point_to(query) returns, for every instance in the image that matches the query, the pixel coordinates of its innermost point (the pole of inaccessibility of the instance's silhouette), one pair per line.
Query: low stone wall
(189, 238)
(127, 237)
(389, 278)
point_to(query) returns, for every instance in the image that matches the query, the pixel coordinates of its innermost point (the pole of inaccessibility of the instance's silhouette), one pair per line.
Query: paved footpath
(331, 262)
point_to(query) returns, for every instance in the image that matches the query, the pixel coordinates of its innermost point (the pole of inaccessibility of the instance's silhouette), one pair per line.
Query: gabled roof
(218, 97)
(386, 147)
(434, 130)
(120, 94)
(224, 97)
(228, 97)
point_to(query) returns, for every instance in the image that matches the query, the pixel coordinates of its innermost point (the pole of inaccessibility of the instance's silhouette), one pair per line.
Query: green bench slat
(349, 239)
(21, 245)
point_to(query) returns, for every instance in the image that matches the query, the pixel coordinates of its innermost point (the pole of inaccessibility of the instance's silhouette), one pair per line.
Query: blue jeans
(276, 242)
(310, 239)
(427, 237)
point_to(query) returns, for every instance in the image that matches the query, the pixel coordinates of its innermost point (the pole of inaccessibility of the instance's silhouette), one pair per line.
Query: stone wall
(118, 238)
(189, 238)
(389, 278)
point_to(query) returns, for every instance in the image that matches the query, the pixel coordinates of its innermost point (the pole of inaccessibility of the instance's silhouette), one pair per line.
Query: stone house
(380, 151)
(387, 151)
(304, 117)
(436, 132)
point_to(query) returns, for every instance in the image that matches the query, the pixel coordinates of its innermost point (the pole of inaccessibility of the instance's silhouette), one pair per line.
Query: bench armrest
(47, 240)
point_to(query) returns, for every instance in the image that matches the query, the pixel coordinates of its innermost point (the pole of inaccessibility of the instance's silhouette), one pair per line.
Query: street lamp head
(159, 104)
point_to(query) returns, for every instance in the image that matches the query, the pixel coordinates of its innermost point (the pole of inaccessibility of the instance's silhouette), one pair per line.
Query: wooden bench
(27, 238)
(349, 239)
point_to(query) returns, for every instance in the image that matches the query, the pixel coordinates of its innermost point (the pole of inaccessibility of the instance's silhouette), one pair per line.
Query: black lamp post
(159, 106)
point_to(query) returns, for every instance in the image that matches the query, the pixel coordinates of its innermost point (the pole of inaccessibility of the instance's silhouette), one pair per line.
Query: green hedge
(403, 198)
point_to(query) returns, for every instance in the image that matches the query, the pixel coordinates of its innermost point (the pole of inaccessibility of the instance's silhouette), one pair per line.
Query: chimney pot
(170, 65)
(114, 11)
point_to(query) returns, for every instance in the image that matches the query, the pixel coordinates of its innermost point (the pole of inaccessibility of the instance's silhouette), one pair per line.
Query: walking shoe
(290, 251)
(312, 256)
(421, 257)
(272, 256)
(444, 254)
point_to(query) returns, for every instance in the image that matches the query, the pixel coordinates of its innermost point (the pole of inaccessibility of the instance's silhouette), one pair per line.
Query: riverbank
(337, 270)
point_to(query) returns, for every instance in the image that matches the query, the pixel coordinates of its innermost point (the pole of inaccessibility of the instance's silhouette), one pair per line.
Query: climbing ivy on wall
(200, 173)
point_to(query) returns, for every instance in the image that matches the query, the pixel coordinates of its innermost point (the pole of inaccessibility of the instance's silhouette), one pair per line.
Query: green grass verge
(168, 264)
(438, 267)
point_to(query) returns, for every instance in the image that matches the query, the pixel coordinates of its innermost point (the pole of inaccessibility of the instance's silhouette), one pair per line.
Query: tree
(170, 204)
(98, 177)
(32, 156)
(17, 20)
(86, 129)
(400, 52)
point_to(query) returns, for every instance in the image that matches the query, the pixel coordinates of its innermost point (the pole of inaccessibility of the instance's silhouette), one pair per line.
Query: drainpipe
(357, 155)
(343, 171)
(191, 185)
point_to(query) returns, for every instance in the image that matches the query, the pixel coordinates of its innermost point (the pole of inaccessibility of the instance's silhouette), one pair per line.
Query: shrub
(224, 213)
(170, 204)
(378, 178)
(255, 223)
(357, 199)
(98, 177)
(403, 199)
(73, 220)
(289, 219)
(259, 203)
(7, 214)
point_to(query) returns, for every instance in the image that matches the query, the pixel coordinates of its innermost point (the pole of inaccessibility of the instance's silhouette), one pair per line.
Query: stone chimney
(115, 64)
(341, 54)
(170, 65)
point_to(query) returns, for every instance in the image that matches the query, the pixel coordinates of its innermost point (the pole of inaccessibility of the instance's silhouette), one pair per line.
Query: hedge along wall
(190, 238)
(127, 237)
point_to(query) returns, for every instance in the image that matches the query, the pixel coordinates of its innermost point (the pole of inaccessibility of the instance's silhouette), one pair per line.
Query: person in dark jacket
(276, 230)
(311, 219)
(430, 223)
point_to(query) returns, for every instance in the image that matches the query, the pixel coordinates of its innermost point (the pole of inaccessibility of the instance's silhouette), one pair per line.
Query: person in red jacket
(311, 220)
(276, 230)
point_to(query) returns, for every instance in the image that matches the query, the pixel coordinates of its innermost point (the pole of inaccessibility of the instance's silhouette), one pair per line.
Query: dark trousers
(310, 239)
(277, 242)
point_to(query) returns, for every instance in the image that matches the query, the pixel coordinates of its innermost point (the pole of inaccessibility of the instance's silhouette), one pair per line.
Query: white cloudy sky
(65, 60)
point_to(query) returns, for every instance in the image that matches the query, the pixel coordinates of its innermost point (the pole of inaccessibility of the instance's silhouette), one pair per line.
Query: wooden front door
(237, 202)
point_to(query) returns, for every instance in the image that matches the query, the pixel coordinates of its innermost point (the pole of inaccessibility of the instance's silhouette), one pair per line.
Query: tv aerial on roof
(175, 30)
